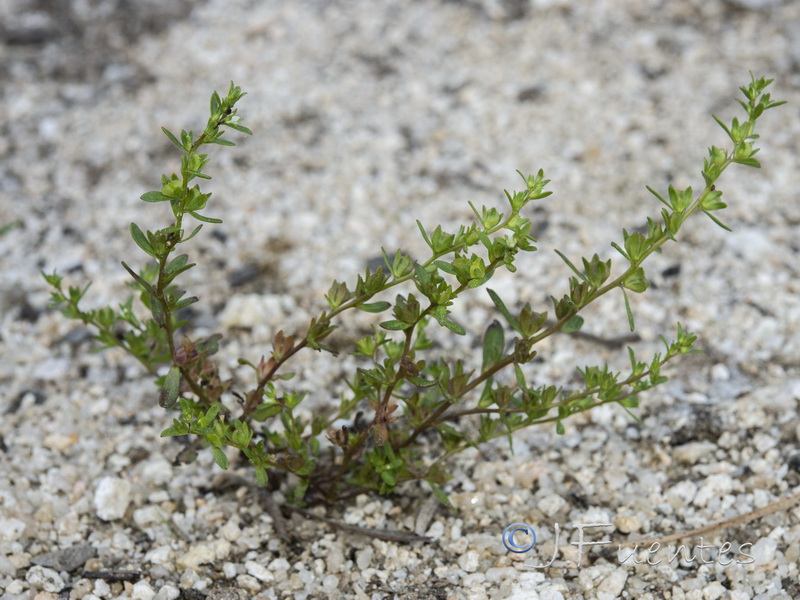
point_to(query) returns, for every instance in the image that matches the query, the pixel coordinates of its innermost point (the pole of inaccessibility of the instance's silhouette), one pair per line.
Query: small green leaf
(203, 218)
(636, 281)
(424, 234)
(439, 493)
(171, 389)
(176, 263)
(266, 411)
(628, 308)
(717, 221)
(261, 475)
(493, 344)
(395, 325)
(454, 327)
(172, 138)
(422, 274)
(194, 233)
(240, 128)
(141, 240)
(154, 197)
(504, 311)
(374, 307)
(571, 266)
(184, 303)
(147, 287)
(220, 458)
(574, 324)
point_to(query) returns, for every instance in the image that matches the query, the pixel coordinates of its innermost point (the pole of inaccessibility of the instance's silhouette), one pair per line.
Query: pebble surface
(367, 116)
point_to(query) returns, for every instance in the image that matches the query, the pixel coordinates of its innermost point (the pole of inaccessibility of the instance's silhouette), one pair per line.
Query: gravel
(367, 116)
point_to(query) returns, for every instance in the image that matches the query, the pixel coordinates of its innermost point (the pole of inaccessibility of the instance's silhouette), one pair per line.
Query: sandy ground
(366, 117)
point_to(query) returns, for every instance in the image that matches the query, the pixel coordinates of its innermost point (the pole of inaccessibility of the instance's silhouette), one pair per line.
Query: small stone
(713, 591)
(60, 442)
(258, 571)
(435, 531)
(334, 561)
(692, 452)
(157, 470)
(143, 591)
(11, 529)
(249, 582)
(101, 588)
(551, 504)
(628, 524)
(612, 585)
(229, 570)
(469, 561)
(330, 583)
(249, 310)
(763, 442)
(81, 588)
(52, 369)
(112, 498)
(229, 594)
(6, 566)
(715, 486)
(196, 556)
(44, 578)
(159, 555)
(67, 559)
(720, 372)
(763, 551)
(147, 515)
(551, 593)
(279, 564)
(167, 592)
(364, 558)
(501, 574)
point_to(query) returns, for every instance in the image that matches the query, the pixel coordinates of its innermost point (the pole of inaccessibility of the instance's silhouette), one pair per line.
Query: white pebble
(143, 591)
(551, 593)
(258, 571)
(11, 529)
(551, 504)
(692, 452)
(330, 583)
(715, 485)
(196, 556)
(229, 569)
(612, 585)
(101, 588)
(44, 578)
(168, 592)
(719, 372)
(627, 523)
(159, 555)
(713, 591)
(147, 515)
(279, 564)
(435, 531)
(764, 442)
(763, 551)
(364, 558)
(469, 562)
(496, 574)
(112, 497)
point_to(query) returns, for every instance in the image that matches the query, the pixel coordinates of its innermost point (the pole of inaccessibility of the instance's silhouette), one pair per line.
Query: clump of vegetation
(401, 390)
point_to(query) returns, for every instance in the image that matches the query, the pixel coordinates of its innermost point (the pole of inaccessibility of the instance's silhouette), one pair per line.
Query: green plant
(383, 450)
